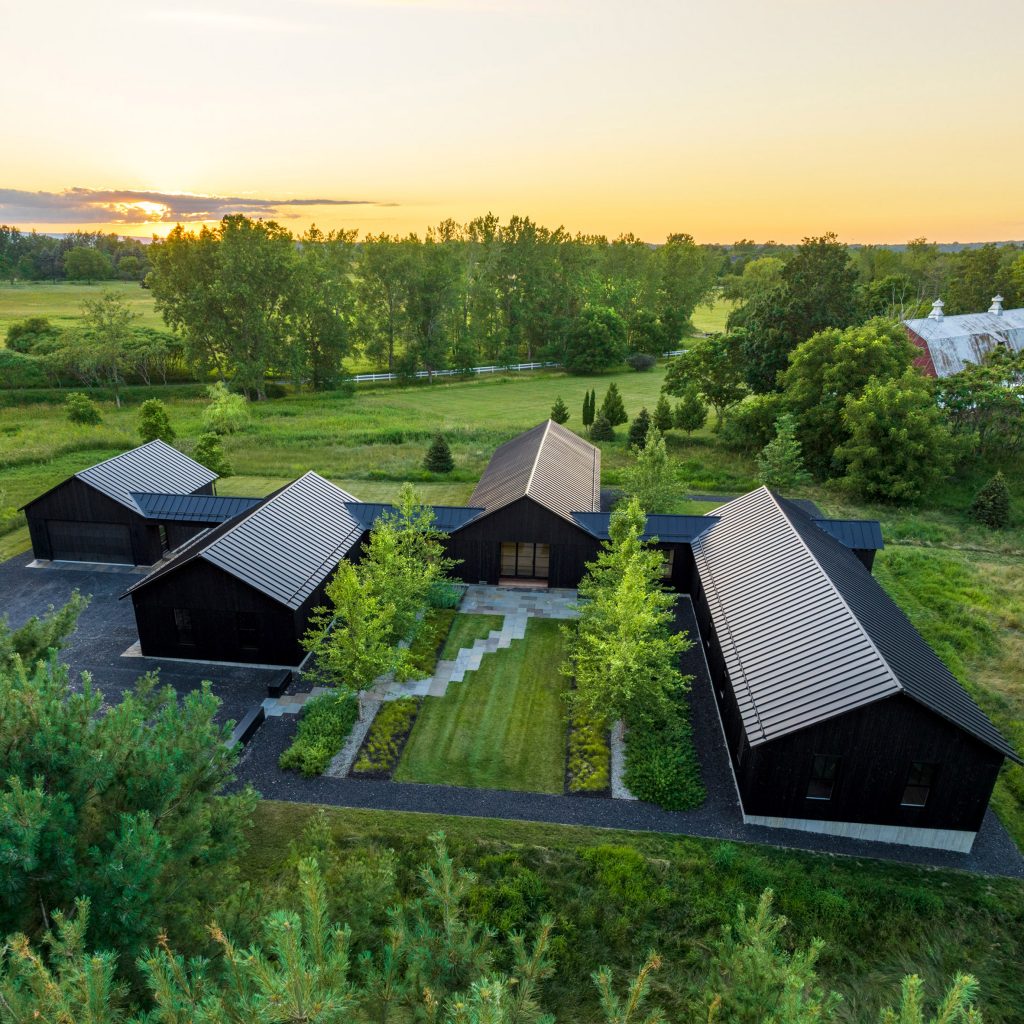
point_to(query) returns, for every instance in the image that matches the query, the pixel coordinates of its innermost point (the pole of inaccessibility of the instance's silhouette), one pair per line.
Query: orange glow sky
(879, 119)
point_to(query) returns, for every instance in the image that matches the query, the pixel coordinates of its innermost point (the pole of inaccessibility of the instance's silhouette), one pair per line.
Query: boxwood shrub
(589, 767)
(661, 762)
(323, 728)
(386, 738)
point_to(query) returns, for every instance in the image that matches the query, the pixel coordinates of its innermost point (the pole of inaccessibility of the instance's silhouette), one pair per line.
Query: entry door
(525, 560)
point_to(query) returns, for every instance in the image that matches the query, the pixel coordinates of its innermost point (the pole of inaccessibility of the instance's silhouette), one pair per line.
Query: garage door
(90, 542)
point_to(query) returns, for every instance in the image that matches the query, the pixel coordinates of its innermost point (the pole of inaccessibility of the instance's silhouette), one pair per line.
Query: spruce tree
(439, 456)
(602, 429)
(612, 408)
(639, 429)
(559, 411)
(690, 413)
(662, 416)
(991, 504)
(154, 423)
(780, 463)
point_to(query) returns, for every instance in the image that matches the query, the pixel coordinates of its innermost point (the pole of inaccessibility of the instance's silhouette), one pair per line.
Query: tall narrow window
(248, 631)
(919, 784)
(183, 626)
(824, 772)
(668, 563)
(164, 544)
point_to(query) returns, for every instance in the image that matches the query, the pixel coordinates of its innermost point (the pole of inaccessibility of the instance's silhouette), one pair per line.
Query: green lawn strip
(502, 727)
(465, 629)
(617, 894)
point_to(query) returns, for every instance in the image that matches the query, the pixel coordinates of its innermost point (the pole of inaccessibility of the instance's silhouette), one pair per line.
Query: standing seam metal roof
(668, 529)
(155, 466)
(285, 547)
(551, 465)
(864, 534)
(192, 508)
(447, 518)
(806, 631)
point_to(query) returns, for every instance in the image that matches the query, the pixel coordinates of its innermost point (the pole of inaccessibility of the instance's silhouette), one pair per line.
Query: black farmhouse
(131, 509)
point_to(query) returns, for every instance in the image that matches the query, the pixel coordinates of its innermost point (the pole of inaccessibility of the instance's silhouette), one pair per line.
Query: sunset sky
(879, 119)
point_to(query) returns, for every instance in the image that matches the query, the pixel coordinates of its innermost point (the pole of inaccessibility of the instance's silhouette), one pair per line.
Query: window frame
(834, 762)
(184, 627)
(932, 772)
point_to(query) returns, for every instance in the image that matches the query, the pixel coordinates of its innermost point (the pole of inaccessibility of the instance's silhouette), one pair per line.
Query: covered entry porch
(524, 564)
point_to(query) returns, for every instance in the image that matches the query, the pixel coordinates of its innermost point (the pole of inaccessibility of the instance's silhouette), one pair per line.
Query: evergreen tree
(991, 504)
(588, 408)
(82, 409)
(662, 417)
(780, 464)
(690, 412)
(39, 637)
(612, 408)
(559, 411)
(639, 429)
(602, 429)
(439, 456)
(649, 477)
(209, 452)
(154, 423)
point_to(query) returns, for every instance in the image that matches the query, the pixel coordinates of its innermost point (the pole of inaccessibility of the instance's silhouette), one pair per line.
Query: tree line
(76, 256)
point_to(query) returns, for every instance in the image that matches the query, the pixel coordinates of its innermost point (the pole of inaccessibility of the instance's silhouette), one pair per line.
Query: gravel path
(341, 763)
(618, 750)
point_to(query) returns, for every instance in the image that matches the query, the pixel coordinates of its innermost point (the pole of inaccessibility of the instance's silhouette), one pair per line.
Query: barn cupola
(996, 309)
(936, 313)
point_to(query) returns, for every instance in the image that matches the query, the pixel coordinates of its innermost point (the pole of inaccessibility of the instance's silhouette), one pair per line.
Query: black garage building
(838, 716)
(98, 515)
(243, 591)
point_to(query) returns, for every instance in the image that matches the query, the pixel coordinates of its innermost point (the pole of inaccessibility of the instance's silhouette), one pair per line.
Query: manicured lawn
(502, 727)
(467, 628)
(710, 319)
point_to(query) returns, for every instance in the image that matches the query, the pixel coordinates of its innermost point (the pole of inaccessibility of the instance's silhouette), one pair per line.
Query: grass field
(617, 894)
(62, 303)
(502, 727)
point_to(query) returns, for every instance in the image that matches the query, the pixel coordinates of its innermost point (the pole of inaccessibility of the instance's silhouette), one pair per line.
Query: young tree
(690, 413)
(82, 409)
(227, 411)
(780, 463)
(991, 505)
(639, 429)
(209, 452)
(559, 411)
(899, 444)
(611, 406)
(649, 477)
(601, 430)
(154, 422)
(662, 416)
(596, 342)
(105, 339)
(439, 456)
(715, 368)
(589, 401)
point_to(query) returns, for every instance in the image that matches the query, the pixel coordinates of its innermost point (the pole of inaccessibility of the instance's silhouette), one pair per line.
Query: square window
(919, 783)
(824, 772)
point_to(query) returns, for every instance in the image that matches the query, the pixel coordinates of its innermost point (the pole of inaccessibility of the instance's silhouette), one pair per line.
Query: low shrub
(384, 742)
(661, 762)
(422, 657)
(445, 594)
(323, 728)
(641, 361)
(589, 765)
(81, 408)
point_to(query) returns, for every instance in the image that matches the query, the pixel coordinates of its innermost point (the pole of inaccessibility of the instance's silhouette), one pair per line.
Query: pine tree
(612, 407)
(439, 456)
(780, 463)
(559, 411)
(209, 452)
(639, 429)
(691, 412)
(991, 504)
(602, 429)
(154, 423)
(662, 417)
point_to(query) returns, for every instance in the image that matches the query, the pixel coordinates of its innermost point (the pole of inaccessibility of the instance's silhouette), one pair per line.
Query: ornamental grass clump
(384, 742)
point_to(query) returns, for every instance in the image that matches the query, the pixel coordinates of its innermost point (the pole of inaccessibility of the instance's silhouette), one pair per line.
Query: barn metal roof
(551, 465)
(447, 518)
(284, 547)
(864, 534)
(806, 631)
(666, 528)
(191, 508)
(155, 466)
(954, 341)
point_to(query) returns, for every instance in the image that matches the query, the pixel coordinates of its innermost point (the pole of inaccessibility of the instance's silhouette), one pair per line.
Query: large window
(526, 560)
(824, 772)
(183, 626)
(919, 784)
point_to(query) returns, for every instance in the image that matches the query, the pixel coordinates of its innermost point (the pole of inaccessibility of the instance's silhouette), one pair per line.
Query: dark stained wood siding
(219, 604)
(478, 545)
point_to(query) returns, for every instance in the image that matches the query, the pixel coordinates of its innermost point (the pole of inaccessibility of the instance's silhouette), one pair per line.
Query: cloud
(126, 206)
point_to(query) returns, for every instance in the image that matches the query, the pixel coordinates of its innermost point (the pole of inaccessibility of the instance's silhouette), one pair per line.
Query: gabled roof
(551, 465)
(191, 508)
(155, 466)
(954, 341)
(666, 528)
(863, 534)
(284, 547)
(447, 518)
(806, 631)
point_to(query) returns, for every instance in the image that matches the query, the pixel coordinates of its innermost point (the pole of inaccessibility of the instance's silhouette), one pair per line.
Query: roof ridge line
(138, 447)
(835, 590)
(536, 458)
